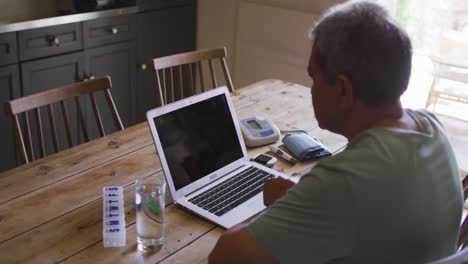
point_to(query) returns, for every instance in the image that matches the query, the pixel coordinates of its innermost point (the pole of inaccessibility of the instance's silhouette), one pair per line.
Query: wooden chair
(174, 83)
(33, 103)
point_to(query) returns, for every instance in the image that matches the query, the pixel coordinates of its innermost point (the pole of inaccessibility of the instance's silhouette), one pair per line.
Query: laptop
(205, 160)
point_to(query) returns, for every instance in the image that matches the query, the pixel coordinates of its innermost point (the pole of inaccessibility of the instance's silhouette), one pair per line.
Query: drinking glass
(150, 203)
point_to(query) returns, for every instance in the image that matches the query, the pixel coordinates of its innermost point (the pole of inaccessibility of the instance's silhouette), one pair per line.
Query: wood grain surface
(51, 209)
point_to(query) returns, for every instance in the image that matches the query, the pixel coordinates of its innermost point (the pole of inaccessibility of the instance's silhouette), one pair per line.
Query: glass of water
(150, 203)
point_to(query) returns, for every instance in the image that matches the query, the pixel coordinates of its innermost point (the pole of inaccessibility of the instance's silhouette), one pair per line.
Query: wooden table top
(51, 209)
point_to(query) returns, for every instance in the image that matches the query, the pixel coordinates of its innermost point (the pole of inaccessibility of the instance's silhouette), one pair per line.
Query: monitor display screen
(198, 139)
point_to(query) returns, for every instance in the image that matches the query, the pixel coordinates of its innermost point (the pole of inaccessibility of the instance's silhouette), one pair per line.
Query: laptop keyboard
(229, 194)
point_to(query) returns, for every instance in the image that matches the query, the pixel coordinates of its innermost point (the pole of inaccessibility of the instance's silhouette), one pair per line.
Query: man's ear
(345, 88)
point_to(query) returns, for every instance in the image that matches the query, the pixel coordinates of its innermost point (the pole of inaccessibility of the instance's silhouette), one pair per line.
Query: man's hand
(274, 189)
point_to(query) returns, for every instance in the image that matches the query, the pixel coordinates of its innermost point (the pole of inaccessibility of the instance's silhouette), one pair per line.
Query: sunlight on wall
(420, 83)
(21, 10)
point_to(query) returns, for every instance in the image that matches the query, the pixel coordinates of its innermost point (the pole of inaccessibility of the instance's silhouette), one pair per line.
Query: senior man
(394, 195)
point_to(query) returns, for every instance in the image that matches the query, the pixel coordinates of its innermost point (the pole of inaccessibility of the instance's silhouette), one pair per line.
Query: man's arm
(237, 245)
(275, 188)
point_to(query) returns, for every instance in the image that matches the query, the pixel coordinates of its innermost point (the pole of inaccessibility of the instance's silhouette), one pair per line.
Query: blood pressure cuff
(304, 147)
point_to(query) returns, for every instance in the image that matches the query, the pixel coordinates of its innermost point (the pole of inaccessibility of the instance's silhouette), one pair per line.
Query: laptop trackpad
(256, 203)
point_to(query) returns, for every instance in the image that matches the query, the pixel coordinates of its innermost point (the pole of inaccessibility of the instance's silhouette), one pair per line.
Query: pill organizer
(113, 219)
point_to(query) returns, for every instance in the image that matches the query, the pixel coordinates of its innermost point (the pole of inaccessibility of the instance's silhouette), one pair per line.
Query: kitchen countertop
(66, 19)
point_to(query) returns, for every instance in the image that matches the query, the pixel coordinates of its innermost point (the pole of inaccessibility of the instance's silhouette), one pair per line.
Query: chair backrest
(173, 82)
(22, 107)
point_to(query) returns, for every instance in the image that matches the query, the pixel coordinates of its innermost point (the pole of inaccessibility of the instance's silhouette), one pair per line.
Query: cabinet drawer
(109, 30)
(8, 51)
(49, 41)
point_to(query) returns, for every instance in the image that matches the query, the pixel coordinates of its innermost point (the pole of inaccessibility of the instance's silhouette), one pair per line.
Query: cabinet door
(8, 49)
(9, 89)
(160, 33)
(50, 73)
(118, 62)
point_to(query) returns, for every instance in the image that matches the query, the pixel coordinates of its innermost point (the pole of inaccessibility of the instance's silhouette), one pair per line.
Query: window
(439, 33)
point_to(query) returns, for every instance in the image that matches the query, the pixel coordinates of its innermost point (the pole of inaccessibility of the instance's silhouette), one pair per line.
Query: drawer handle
(54, 40)
(143, 67)
(114, 30)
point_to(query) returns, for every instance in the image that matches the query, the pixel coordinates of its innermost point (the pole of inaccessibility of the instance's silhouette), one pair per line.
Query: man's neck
(365, 117)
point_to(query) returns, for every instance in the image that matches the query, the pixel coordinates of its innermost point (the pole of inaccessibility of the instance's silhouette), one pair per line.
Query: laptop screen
(198, 139)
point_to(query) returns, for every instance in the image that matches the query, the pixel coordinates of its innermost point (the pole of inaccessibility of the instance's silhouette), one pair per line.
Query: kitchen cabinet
(118, 62)
(48, 73)
(121, 46)
(8, 49)
(9, 89)
(160, 33)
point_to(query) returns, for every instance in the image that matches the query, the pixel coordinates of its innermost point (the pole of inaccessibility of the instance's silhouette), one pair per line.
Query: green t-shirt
(393, 196)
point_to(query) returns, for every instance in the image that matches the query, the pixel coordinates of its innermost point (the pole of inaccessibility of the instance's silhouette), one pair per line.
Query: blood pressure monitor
(258, 131)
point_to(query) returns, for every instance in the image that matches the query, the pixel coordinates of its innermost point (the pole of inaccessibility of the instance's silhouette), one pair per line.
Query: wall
(20, 10)
(264, 38)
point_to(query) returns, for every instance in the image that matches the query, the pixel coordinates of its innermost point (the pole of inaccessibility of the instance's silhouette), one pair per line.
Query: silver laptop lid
(198, 140)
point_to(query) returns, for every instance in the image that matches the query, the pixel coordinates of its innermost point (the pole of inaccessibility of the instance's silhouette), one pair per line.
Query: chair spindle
(110, 101)
(181, 84)
(226, 75)
(67, 123)
(200, 71)
(40, 135)
(164, 84)
(28, 136)
(19, 136)
(158, 80)
(53, 127)
(172, 85)
(192, 88)
(97, 115)
(213, 75)
(81, 119)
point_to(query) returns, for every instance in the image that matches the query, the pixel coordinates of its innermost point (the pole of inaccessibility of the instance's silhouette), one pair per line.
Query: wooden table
(51, 209)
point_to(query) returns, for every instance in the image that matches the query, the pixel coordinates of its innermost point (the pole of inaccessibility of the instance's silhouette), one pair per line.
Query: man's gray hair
(363, 42)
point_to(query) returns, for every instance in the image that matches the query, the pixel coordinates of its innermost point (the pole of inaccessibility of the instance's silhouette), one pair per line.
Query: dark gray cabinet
(120, 46)
(9, 89)
(42, 42)
(160, 33)
(8, 49)
(118, 62)
(111, 30)
(50, 73)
